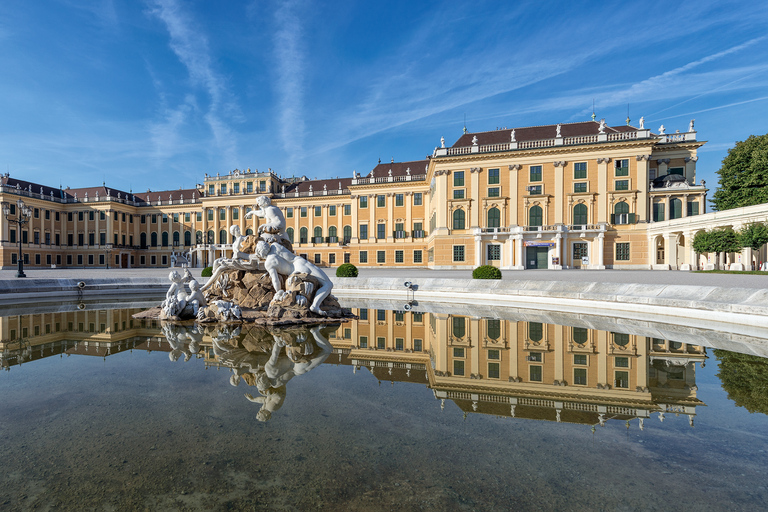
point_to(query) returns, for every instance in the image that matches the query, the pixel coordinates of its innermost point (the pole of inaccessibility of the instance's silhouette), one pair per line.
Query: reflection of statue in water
(238, 261)
(299, 358)
(184, 340)
(279, 261)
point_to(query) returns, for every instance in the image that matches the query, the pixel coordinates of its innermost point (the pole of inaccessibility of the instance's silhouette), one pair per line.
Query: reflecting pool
(442, 409)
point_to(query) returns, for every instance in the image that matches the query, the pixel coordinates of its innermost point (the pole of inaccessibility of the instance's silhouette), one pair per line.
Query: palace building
(576, 195)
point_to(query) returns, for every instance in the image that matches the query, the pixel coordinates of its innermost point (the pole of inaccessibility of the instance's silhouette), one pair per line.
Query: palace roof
(538, 133)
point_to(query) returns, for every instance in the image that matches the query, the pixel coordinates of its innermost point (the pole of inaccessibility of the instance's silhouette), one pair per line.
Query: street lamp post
(23, 214)
(108, 251)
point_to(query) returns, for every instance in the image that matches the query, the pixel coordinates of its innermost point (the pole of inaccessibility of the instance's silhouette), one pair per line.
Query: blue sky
(154, 94)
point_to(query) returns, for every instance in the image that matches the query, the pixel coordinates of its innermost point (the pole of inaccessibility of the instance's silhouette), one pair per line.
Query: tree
(743, 175)
(717, 240)
(754, 236)
(745, 379)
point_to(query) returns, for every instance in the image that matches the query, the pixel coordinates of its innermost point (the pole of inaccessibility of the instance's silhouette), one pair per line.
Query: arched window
(187, 238)
(580, 214)
(211, 237)
(535, 216)
(154, 239)
(580, 335)
(289, 234)
(621, 339)
(318, 235)
(675, 208)
(248, 231)
(535, 331)
(459, 326)
(494, 218)
(493, 329)
(165, 239)
(332, 234)
(223, 236)
(176, 238)
(458, 219)
(621, 213)
(303, 234)
(143, 239)
(347, 234)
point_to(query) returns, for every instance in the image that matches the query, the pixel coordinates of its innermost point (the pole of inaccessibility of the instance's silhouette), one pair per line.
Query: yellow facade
(583, 199)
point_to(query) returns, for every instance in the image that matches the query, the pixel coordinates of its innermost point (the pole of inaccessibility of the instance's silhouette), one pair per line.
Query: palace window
(675, 208)
(417, 256)
(458, 178)
(381, 201)
(580, 171)
(458, 219)
(579, 188)
(621, 185)
(347, 209)
(658, 212)
(693, 208)
(535, 173)
(494, 218)
(381, 256)
(622, 167)
(235, 213)
(622, 251)
(332, 210)
(363, 201)
(458, 253)
(289, 213)
(580, 376)
(458, 193)
(494, 192)
(399, 200)
(493, 176)
(417, 198)
(398, 256)
(580, 359)
(535, 216)
(580, 214)
(303, 211)
(494, 252)
(318, 211)
(363, 231)
(535, 374)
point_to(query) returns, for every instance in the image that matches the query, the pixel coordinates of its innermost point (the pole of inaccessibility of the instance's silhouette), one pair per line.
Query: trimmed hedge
(346, 270)
(486, 272)
(207, 272)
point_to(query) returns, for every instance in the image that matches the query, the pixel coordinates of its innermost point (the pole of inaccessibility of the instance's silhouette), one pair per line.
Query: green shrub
(346, 270)
(486, 272)
(207, 272)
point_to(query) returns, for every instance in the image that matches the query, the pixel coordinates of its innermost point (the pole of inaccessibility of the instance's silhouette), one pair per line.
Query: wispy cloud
(289, 57)
(191, 48)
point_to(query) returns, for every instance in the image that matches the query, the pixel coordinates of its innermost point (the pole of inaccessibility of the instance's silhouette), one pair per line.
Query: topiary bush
(486, 272)
(346, 270)
(207, 272)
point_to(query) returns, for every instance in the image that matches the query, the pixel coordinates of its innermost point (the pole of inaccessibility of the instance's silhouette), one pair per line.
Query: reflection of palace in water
(506, 368)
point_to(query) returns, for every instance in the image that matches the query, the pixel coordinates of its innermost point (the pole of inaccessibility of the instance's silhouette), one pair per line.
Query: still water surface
(394, 411)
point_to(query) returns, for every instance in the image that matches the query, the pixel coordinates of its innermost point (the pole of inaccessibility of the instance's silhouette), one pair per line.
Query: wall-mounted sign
(538, 244)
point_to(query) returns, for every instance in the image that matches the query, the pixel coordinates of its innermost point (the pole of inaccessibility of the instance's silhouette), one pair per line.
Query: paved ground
(604, 276)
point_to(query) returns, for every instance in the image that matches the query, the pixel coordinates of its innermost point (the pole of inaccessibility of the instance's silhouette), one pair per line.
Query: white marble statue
(642, 123)
(601, 128)
(274, 221)
(558, 131)
(239, 260)
(662, 130)
(512, 136)
(279, 261)
(175, 297)
(690, 126)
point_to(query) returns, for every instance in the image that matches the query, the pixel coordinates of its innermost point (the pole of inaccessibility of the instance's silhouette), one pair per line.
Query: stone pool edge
(706, 303)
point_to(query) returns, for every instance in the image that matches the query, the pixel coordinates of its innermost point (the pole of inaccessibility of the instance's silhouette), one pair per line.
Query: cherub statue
(238, 261)
(274, 221)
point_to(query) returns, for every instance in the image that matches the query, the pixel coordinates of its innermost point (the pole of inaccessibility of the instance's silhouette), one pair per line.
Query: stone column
(513, 194)
(670, 250)
(602, 358)
(355, 225)
(643, 185)
(602, 189)
(474, 196)
(558, 192)
(558, 252)
(600, 251)
(514, 347)
(559, 356)
(519, 256)
(390, 226)
(478, 248)
(690, 168)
